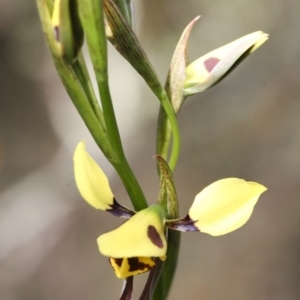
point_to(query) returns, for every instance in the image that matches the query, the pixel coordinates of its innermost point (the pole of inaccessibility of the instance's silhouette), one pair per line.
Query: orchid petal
(91, 182)
(141, 236)
(225, 205)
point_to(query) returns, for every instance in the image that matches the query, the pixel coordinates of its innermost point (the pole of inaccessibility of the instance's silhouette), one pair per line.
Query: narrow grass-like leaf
(126, 42)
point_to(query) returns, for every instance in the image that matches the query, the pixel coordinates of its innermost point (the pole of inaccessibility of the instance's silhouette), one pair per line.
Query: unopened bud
(67, 29)
(213, 66)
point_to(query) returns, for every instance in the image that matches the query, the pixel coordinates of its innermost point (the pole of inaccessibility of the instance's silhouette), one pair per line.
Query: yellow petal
(91, 181)
(125, 267)
(210, 68)
(225, 205)
(141, 236)
(55, 14)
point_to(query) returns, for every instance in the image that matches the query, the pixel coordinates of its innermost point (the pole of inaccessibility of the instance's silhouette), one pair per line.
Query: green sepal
(167, 197)
(127, 10)
(126, 42)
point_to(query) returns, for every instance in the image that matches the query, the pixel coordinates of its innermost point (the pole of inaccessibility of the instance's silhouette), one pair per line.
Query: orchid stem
(92, 18)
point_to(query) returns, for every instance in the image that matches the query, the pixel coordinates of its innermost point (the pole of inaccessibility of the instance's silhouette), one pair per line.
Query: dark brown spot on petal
(155, 237)
(135, 265)
(118, 261)
(210, 63)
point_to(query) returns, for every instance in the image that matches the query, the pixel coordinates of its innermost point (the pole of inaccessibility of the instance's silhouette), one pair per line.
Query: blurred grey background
(248, 126)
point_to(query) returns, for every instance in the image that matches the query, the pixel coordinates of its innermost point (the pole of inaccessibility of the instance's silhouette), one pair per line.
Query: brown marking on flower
(211, 63)
(119, 211)
(56, 33)
(118, 261)
(135, 265)
(154, 236)
(186, 224)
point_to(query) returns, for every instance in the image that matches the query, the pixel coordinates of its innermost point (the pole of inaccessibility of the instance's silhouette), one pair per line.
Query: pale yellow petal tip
(257, 186)
(263, 37)
(80, 147)
(225, 205)
(91, 181)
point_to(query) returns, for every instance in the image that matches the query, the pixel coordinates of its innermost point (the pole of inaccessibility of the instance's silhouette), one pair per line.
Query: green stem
(166, 104)
(127, 43)
(83, 75)
(165, 130)
(121, 165)
(92, 18)
(165, 281)
(163, 134)
(72, 83)
(131, 185)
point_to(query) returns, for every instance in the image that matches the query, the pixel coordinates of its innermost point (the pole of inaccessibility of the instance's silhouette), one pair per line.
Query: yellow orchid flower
(220, 208)
(131, 246)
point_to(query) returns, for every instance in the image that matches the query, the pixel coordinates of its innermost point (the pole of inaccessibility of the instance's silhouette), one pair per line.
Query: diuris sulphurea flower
(218, 209)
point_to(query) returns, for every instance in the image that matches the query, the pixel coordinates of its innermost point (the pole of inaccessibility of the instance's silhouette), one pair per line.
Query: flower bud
(67, 29)
(213, 66)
